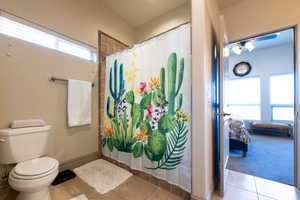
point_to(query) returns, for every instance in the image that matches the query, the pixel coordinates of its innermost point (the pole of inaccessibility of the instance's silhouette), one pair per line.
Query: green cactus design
(171, 156)
(176, 141)
(173, 85)
(156, 147)
(163, 144)
(162, 77)
(135, 112)
(122, 139)
(115, 92)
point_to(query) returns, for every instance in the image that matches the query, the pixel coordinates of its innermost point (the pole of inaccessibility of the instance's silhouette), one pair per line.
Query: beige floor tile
(234, 193)
(241, 180)
(135, 189)
(71, 188)
(57, 193)
(76, 186)
(276, 190)
(108, 196)
(161, 194)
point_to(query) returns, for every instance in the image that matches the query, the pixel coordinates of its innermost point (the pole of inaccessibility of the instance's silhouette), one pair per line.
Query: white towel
(79, 103)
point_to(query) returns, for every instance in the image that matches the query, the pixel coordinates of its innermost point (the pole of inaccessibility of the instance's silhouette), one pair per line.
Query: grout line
(271, 198)
(255, 185)
(253, 178)
(263, 195)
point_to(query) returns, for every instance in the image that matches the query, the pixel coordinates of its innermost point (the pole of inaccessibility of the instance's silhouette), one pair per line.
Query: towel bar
(53, 79)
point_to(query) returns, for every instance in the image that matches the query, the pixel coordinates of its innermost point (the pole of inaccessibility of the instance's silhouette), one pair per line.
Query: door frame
(215, 94)
(296, 110)
(296, 130)
(220, 155)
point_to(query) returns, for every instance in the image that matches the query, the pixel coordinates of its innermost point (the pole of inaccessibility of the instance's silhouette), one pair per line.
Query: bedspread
(238, 131)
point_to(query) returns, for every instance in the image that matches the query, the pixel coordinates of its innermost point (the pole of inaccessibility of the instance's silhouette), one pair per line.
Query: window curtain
(146, 122)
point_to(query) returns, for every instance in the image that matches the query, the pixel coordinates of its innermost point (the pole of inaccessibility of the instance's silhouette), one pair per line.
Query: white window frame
(280, 105)
(79, 50)
(259, 105)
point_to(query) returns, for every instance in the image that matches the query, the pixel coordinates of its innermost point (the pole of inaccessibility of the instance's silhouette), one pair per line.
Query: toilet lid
(35, 167)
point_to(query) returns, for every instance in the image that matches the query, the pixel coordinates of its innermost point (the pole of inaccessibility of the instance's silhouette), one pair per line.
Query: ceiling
(284, 37)
(138, 12)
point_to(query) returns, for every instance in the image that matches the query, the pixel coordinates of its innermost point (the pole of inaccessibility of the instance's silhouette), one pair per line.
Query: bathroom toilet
(33, 173)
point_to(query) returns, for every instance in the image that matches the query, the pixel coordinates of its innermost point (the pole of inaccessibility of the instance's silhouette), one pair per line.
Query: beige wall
(25, 90)
(205, 18)
(26, 93)
(252, 17)
(80, 19)
(164, 22)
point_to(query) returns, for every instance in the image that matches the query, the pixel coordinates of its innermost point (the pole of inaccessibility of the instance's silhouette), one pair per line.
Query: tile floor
(246, 187)
(134, 188)
(240, 187)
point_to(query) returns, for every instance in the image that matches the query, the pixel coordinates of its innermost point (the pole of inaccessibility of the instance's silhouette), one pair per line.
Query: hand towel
(27, 123)
(79, 103)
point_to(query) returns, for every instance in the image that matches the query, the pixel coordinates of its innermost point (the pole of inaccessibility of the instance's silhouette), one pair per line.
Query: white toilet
(33, 173)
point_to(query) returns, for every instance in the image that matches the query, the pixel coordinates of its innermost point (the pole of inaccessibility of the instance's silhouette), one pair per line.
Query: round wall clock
(242, 69)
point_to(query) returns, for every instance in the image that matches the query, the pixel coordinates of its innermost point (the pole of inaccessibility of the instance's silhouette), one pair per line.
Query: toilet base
(43, 194)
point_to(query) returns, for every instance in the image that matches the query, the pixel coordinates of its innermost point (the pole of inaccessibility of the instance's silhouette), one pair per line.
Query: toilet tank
(17, 145)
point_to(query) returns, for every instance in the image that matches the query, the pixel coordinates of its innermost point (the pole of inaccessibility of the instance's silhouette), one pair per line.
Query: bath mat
(103, 176)
(80, 197)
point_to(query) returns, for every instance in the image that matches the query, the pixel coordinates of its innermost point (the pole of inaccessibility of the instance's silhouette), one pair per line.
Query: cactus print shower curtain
(148, 107)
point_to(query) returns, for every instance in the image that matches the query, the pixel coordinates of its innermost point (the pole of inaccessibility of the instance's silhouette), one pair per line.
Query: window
(15, 29)
(282, 97)
(242, 97)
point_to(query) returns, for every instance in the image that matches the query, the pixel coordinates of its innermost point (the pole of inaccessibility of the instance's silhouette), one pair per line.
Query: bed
(239, 137)
(280, 129)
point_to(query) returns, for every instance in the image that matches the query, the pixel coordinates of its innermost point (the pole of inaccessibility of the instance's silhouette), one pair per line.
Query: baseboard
(74, 163)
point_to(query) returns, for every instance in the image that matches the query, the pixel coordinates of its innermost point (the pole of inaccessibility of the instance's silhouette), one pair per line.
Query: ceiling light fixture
(249, 45)
(237, 49)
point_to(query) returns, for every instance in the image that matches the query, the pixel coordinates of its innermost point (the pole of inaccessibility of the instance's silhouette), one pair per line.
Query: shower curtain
(148, 107)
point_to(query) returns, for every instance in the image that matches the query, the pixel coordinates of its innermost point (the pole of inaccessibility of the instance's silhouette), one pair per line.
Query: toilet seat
(35, 168)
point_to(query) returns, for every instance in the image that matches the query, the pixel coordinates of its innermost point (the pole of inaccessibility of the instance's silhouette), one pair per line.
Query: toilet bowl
(33, 177)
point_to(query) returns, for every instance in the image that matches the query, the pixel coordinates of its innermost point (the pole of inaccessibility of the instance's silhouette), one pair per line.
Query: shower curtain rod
(53, 79)
(130, 47)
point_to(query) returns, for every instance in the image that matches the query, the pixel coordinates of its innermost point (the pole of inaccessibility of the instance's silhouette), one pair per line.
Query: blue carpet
(269, 157)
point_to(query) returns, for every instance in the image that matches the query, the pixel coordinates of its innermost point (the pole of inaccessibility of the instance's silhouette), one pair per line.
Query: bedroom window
(282, 97)
(243, 98)
(43, 38)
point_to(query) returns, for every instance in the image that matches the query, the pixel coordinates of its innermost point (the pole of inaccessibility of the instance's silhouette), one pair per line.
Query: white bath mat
(80, 197)
(102, 175)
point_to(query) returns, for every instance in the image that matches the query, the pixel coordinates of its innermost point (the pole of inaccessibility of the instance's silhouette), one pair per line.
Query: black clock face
(242, 69)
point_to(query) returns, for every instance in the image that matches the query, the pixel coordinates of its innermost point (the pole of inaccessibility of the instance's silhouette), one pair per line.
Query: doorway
(255, 119)
(259, 93)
